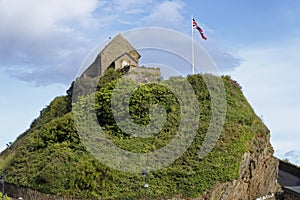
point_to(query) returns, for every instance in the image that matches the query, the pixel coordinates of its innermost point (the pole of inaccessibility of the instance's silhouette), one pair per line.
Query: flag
(195, 25)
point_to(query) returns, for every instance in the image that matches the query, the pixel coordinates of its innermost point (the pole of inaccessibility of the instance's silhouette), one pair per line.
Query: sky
(43, 43)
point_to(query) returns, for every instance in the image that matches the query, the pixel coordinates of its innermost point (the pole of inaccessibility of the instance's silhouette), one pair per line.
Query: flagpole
(193, 49)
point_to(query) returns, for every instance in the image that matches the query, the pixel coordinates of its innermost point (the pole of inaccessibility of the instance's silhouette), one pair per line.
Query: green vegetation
(50, 157)
(5, 197)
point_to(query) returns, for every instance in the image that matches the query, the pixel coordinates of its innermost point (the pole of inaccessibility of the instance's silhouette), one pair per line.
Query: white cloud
(132, 5)
(166, 14)
(35, 33)
(39, 17)
(146, 12)
(270, 79)
(292, 155)
(126, 12)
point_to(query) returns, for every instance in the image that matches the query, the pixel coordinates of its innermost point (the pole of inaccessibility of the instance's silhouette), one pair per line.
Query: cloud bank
(44, 42)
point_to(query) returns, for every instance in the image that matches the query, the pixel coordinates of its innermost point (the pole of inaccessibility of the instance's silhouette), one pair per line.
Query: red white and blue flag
(195, 25)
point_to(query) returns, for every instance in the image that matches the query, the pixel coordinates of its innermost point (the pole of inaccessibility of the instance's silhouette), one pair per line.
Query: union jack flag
(195, 25)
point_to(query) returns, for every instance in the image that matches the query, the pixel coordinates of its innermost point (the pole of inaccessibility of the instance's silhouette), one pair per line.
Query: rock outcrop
(258, 175)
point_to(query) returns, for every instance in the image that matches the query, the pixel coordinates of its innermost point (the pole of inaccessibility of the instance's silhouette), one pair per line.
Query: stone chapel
(118, 54)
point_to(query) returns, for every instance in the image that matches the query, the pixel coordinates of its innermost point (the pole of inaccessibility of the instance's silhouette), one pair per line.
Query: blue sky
(43, 43)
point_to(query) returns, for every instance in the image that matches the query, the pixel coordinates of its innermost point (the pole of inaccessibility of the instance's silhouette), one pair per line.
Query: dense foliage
(50, 157)
(5, 197)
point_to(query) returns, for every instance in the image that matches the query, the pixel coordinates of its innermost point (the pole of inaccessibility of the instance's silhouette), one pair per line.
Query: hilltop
(51, 158)
(65, 155)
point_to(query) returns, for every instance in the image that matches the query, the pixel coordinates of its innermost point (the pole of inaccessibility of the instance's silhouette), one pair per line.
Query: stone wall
(94, 69)
(144, 74)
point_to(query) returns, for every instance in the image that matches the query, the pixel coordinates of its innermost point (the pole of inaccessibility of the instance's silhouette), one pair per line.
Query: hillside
(51, 158)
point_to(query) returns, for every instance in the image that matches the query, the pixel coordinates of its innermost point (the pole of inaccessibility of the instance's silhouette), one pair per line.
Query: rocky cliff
(258, 175)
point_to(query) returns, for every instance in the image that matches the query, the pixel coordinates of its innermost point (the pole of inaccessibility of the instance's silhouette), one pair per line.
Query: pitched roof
(120, 39)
